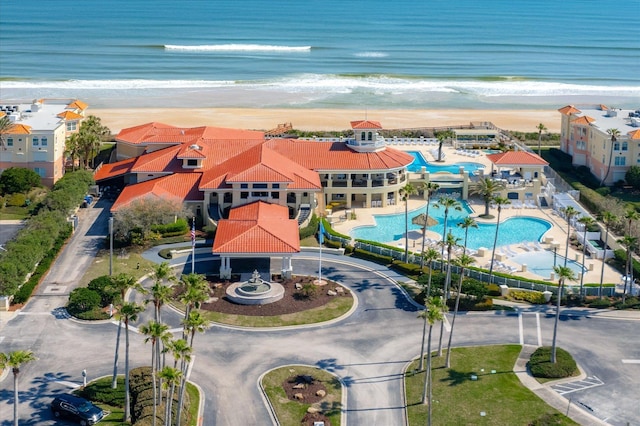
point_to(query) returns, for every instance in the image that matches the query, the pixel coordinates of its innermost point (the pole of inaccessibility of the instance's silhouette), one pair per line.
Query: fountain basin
(245, 293)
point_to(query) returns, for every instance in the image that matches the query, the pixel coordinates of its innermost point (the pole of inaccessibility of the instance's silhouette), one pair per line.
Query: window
(370, 136)
(625, 146)
(9, 141)
(72, 126)
(276, 186)
(620, 161)
(192, 162)
(43, 141)
(363, 136)
(36, 142)
(259, 194)
(244, 185)
(40, 171)
(275, 195)
(259, 186)
(616, 146)
(244, 195)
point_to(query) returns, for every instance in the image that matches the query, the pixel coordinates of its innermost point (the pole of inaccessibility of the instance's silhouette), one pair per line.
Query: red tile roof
(585, 120)
(337, 156)
(366, 124)
(19, 129)
(260, 164)
(634, 134)
(179, 186)
(191, 151)
(162, 160)
(164, 133)
(108, 171)
(569, 109)
(70, 115)
(257, 228)
(517, 158)
(78, 105)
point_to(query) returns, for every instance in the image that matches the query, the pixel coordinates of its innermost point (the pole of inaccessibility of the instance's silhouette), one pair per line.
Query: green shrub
(16, 200)
(600, 303)
(630, 303)
(534, 297)
(311, 228)
(82, 300)
(373, 257)
(540, 363)
(493, 290)
(406, 268)
(173, 229)
(332, 244)
(104, 287)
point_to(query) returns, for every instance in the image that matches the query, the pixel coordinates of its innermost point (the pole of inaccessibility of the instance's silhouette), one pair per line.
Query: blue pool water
(419, 162)
(541, 262)
(491, 151)
(512, 231)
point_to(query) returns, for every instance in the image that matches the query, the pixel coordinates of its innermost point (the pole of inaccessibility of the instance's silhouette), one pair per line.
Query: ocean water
(322, 53)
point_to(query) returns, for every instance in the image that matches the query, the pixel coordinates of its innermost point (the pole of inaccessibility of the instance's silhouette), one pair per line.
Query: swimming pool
(419, 162)
(541, 262)
(514, 230)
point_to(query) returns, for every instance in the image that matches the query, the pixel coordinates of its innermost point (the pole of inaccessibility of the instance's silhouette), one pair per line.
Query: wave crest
(237, 48)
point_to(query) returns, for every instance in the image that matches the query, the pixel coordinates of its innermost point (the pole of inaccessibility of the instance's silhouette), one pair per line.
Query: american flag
(193, 232)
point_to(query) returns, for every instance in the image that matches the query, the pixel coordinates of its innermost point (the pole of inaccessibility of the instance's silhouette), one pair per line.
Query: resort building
(586, 135)
(36, 138)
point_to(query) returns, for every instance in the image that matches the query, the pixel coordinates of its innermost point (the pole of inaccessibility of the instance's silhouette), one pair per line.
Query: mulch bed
(307, 387)
(293, 301)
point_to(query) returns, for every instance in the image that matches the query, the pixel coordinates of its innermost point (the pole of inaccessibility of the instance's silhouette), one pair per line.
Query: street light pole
(555, 252)
(111, 246)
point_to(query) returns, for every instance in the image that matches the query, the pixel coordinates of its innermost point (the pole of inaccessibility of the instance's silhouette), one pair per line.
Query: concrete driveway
(368, 351)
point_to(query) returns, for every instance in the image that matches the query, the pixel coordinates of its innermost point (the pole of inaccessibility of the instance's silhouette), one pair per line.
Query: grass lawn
(334, 309)
(290, 413)
(15, 213)
(127, 264)
(459, 400)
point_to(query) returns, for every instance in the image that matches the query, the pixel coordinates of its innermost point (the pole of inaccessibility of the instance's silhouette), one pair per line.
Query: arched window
(363, 136)
(370, 136)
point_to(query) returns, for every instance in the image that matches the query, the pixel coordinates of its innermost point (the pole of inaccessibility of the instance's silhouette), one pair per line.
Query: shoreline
(310, 119)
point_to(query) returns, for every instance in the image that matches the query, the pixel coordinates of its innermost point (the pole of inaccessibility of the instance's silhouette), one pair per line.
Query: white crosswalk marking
(578, 385)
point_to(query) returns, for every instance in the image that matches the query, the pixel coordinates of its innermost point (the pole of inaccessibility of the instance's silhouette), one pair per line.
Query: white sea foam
(237, 48)
(371, 55)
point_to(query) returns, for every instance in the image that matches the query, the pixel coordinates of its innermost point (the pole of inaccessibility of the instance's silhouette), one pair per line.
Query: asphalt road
(368, 350)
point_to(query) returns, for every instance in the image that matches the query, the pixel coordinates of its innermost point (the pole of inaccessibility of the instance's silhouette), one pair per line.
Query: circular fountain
(255, 291)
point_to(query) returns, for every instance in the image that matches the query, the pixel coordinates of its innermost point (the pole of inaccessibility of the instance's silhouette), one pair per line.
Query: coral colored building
(585, 135)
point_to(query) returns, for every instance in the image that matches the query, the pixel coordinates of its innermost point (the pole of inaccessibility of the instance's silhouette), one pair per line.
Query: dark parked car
(76, 408)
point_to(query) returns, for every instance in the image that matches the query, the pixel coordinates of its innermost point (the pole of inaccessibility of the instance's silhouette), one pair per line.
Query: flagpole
(321, 241)
(193, 245)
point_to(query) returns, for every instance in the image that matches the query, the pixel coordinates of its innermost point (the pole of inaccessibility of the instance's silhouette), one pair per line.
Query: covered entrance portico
(254, 230)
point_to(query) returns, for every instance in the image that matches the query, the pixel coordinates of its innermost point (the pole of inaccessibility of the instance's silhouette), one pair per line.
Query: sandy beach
(324, 119)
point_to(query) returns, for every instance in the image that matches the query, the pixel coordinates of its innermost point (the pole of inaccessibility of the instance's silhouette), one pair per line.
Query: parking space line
(539, 330)
(520, 328)
(588, 383)
(631, 361)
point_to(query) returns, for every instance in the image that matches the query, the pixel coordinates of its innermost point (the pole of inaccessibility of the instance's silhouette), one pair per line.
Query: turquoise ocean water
(322, 53)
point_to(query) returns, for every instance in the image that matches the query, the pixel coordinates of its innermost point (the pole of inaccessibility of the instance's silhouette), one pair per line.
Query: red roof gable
(108, 171)
(634, 134)
(257, 228)
(179, 186)
(162, 160)
(569, 109)
(585, 120)
(366, 124)
(517, 158)
(260, 164)
(337, 156)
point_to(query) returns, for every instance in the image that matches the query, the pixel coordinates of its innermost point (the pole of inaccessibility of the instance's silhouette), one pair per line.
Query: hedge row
(141, 388)
(179, 227)
(534, 297)
(540, 363)
(40, 237)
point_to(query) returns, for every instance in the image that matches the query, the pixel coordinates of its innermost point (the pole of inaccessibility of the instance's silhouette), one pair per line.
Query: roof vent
(195, 146)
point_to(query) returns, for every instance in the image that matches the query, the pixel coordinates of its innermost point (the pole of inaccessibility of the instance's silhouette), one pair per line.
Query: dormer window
(192, 162)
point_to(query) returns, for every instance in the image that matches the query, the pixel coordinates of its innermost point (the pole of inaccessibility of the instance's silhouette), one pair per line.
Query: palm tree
(569, 212)
(630, 243)
(91, 134)
(435, 312)
(447, 203)
(429, 188)
(430, 256)
(5, 126)
(72, 148)
(196, 322)
(154, 331)
(181, 352)
(541, 128)
(128, 313)
(563, 273)
(450, 243)
(442, 136)
(405, 192)
(14, 360)
(467, 222)
(586, 221)
(171, 377)
(462, 262)
(487, 188)
(614, 134)
(196, 291)
(500, 201)
(607, 219)
(161, 275)
(123, 283)
(632, 216)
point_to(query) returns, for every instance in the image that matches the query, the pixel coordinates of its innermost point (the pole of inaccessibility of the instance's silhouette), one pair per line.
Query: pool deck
(556, 235)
